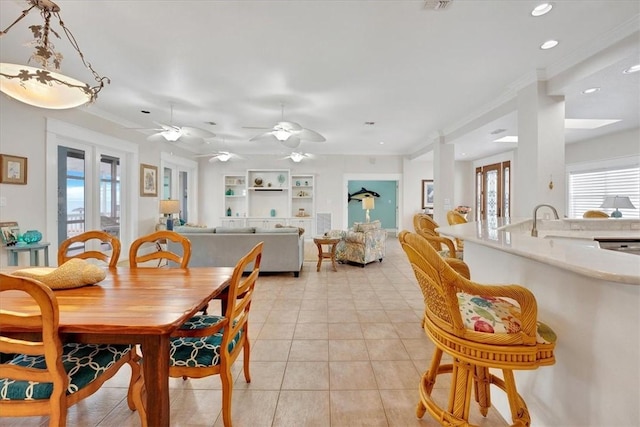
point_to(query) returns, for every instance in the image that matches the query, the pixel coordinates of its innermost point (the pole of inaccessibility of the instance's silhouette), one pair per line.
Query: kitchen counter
(568, 244)
(589, 296)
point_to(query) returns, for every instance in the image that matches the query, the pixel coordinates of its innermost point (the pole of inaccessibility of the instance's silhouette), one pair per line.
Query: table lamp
(617, 202)
(168, 208)
(367, 204)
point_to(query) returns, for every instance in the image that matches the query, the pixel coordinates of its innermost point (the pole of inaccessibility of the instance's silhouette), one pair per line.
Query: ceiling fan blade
(290, 126)
(197, 132)
(291, 142)
(265, 135)
(310, 135)
(156, 137)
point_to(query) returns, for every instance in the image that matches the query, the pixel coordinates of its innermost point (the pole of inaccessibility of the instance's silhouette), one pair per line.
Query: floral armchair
(362, 244)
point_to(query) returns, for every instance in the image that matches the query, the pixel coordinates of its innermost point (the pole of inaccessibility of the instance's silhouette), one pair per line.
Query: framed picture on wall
(148, 180)
(427, 193)
(13, 169)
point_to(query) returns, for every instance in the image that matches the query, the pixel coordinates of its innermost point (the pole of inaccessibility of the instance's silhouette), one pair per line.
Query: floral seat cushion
(82, 362)
(200, 351)
(497, 316)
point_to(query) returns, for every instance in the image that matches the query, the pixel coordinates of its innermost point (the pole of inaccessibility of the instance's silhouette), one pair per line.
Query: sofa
(283, 249)
(362, 244)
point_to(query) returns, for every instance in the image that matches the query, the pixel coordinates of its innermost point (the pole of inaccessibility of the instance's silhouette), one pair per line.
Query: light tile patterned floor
(329, 348)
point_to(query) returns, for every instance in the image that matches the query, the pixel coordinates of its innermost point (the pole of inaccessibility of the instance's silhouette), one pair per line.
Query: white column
(540, 153)
(443, 179)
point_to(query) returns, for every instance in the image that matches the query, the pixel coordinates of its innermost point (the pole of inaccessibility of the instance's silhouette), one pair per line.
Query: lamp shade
(43, 88)
(617, 202)
(368, 203)
(168, 207)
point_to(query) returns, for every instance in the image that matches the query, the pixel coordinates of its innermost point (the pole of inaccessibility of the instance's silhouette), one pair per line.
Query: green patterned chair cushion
(201, 351)
(202, 321)
(497, 316)
(82, 362)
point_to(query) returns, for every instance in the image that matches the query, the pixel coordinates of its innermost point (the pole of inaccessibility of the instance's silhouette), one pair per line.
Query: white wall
(23, 133)
(617, 145)
(329, 171)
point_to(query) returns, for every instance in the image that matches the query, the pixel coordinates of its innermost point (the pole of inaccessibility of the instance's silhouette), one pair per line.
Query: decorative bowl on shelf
(258, 182)
(32, 236)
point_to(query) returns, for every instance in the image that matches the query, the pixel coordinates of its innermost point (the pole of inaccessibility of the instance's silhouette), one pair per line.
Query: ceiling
(333, 66)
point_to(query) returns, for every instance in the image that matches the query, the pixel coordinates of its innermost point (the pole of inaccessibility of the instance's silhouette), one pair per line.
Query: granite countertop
(568, 244)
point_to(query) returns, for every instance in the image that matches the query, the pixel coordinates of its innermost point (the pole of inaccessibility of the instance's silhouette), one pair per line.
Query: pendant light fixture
(46, 87)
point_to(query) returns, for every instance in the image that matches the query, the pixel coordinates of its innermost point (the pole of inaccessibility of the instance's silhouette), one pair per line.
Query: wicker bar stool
(481, 328)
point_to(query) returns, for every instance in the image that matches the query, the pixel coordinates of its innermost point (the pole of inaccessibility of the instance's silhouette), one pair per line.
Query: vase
(32, 236)
(273, 212)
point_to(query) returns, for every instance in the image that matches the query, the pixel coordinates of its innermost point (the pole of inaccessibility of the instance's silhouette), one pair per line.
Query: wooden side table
(34, 255)
(332, 242)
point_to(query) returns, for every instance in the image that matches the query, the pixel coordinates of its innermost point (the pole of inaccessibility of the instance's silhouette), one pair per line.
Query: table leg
(34, 258)
(155, 364)
(319, 256)
(13, 257)
(333, 256)
(46, 256)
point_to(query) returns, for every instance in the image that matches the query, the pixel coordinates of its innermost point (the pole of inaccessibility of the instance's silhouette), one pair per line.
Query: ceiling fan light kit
(42, 87)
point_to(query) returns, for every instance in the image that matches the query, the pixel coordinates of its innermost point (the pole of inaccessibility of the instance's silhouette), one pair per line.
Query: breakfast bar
(590, 296)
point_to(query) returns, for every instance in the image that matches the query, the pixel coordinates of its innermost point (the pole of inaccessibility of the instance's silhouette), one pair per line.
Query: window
(588, 188)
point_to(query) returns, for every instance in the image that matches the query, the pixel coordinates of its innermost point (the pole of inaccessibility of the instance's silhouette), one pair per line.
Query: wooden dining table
(135, 306)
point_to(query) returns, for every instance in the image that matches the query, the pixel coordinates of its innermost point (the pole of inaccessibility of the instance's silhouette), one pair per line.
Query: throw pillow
(72, 274)
(300, 229)
(361, 227)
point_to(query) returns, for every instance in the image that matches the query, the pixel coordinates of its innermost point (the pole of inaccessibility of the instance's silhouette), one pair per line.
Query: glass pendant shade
(43, 88)
(282, 134)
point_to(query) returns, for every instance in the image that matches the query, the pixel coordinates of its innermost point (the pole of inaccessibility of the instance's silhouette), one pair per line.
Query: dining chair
(159, 240)
(70, 248)
(208, 345)
(595, 214)
(45, 376)
(481, 327)
(443, 245)
(454, 218)
(423, 221)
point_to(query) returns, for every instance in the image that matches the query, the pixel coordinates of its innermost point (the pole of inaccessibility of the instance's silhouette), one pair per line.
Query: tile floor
(329, 348)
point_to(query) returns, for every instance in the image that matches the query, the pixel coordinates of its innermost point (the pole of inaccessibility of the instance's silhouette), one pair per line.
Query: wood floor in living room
(329, 348)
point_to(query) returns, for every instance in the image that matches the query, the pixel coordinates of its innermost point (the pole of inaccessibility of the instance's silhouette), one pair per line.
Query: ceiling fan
(297, 157)
(289, 134)
(222, 156)
(172, 133)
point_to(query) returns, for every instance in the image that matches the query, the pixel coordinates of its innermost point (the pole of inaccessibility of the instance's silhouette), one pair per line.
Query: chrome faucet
(534, 230)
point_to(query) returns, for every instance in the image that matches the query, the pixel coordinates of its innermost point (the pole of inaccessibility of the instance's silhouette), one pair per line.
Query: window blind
(587, 190)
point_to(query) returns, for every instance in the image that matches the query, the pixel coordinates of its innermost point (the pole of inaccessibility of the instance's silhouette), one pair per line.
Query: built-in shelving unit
(266, 197)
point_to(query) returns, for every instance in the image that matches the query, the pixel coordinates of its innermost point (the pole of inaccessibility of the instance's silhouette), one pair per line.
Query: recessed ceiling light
(381, 142)
(549, 44)
(632, 69)
(508, 138)
(541, 9)
(591, 90)
(587, 123)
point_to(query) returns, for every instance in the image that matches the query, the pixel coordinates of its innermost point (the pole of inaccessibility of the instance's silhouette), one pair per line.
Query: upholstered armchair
(362, 244)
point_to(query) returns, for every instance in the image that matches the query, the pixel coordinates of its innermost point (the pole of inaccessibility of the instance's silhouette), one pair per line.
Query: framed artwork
(427, 193)
(9, 233)
(13, 169)
(148, 180)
